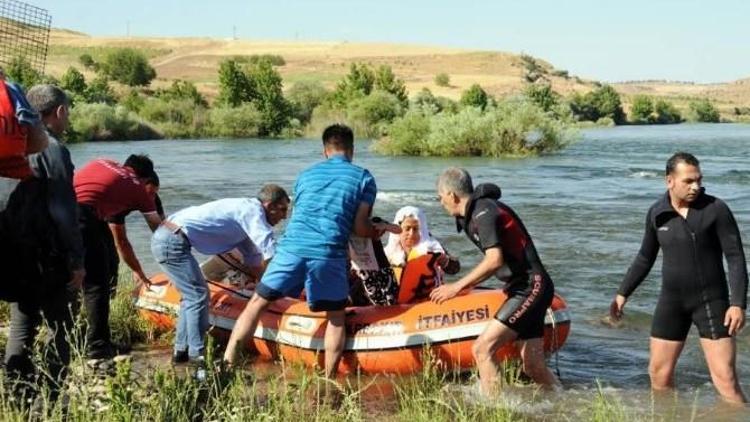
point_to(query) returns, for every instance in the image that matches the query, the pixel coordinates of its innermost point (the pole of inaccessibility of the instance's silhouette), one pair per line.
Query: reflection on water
(584, 207)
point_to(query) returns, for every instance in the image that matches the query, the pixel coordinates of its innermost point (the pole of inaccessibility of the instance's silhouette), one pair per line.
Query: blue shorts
(324, 280)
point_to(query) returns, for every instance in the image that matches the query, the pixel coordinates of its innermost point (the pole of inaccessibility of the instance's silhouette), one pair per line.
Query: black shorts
(673, 318)
(526, 307)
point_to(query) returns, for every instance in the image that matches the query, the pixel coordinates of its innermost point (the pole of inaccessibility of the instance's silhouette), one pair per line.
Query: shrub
(99, 91)
(357, 83)
(269, 99)
(475, 96)
(74, 82)
(234, 122)
(601, 102)
(666, 113)
(20, 71)
(426, 102)
(442, 79)
(182, 90)
(407, 135)
(88, 62)
(95, 122)
(542, 95)
(561, 73)
(386, 81)
(375, 109)
(274, 59)
(641, 109)
(304, 97)
(703, 111)
(513, 127)
(133, 101)
(128, 66)
(234, 86)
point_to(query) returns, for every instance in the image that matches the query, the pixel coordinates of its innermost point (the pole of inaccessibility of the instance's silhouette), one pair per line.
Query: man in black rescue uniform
(510, 255)
(693, 229)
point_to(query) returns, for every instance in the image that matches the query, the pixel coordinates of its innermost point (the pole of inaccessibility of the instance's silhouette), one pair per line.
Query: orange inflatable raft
(380, 339)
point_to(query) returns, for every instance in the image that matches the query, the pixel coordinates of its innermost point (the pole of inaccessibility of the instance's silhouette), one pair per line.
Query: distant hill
(196, 60)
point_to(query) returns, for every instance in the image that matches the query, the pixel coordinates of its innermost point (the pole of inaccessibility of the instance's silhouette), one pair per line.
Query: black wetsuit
(694, 287)
(490, 223)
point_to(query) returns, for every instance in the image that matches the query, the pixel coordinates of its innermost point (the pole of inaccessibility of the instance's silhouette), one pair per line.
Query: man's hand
(140, 278)
(615, 309)
(383, 227)
(734, 319)
(442, 293)
(443, 260)
(76, 279)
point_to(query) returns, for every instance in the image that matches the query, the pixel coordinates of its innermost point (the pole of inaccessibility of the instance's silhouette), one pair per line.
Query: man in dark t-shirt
(107, 191)
(510, 255)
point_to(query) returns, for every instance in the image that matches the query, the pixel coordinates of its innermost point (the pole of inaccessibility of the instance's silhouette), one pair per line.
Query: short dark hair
(272, 194)
(143, 168)
(681, 157)
(339, 137)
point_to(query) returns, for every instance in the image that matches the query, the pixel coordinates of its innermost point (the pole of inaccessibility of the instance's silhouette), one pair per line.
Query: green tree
(704, 111)
(641, 109)
(273, 107)
(304, 97)
(601, 102)
(128, 66)
(20, 71)
(357, 84)
(542, 95)
(386, 80)
(234, 86)
(666, 112)
(475, 96)
(442, 79)
(74, 82)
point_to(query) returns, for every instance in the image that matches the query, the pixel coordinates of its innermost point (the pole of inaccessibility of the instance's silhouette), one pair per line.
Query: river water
(584, 207)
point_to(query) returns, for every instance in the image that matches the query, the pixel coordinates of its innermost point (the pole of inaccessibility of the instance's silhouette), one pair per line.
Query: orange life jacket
(13, 135)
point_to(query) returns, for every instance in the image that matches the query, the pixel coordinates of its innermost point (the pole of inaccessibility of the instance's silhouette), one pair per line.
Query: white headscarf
(393, 250)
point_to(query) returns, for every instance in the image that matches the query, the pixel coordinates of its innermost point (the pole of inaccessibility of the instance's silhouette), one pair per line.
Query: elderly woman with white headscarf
(415, 240)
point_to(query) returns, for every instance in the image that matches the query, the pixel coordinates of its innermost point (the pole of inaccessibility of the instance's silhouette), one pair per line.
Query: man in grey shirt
(54, 295)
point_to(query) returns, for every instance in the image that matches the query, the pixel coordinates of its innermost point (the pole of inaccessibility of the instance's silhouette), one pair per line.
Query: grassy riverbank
(145, 388)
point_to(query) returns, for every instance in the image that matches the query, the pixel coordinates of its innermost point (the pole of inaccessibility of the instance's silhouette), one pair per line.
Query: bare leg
(245, 326)
(335, 338)
(662, 361)
(720, 356)
(535, 365)
(495, 335)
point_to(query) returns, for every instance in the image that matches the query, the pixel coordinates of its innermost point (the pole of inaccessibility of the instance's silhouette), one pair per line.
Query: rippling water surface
(584, 207)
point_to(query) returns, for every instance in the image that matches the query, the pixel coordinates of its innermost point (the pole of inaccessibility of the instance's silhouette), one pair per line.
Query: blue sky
(690, 40)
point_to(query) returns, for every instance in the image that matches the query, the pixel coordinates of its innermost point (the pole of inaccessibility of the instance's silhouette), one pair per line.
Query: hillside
(196, 60)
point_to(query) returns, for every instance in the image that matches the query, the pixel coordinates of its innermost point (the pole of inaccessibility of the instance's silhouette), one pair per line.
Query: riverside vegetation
(117, 104)
(142, 391)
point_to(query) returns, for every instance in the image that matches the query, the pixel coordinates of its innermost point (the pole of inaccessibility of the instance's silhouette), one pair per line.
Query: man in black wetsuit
(693, 229)
(510, 255)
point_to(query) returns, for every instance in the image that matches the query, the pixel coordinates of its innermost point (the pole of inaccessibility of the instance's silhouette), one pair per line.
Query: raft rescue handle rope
(554, 341)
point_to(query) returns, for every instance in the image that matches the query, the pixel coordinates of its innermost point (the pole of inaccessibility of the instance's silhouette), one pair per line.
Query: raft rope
(554, 341)
(229, 289)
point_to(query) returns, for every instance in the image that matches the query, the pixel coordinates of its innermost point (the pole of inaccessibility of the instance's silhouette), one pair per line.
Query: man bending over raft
(332, 200)
(694, 230)
(510, 255)
(215, 227)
